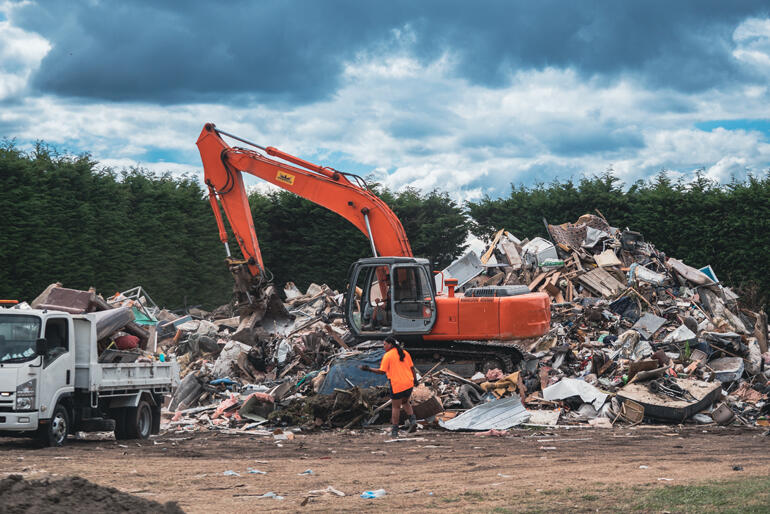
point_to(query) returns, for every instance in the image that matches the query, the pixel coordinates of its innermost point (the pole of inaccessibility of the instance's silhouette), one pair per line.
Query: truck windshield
(17, 337)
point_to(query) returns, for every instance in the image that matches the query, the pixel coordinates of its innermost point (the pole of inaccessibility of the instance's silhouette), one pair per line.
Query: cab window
(57, 337)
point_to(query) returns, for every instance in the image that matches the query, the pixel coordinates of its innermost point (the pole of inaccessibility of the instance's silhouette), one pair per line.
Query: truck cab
(52, 382)
(36, 367)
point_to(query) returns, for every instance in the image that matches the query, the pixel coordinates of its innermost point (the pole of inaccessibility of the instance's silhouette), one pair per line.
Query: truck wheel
(139, 421)
(54, 433)
(119, 415)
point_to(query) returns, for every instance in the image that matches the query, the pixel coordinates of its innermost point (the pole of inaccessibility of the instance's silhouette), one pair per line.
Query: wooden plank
(494, 279)
(537, 280)
(601, 282)
(552, 290)
(336, 337)
(760, 331)
(511, 253)
(490, 251)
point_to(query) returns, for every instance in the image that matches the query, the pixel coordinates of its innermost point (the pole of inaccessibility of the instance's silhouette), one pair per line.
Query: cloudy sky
(465, 97)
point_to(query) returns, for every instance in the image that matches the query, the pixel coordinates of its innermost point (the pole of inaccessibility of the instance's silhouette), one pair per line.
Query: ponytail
(397, 346)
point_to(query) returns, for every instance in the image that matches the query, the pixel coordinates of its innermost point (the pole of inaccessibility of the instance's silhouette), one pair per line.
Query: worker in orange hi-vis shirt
(397, 365)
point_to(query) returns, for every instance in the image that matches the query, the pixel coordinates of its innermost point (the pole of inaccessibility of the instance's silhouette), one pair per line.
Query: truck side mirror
(41, 346)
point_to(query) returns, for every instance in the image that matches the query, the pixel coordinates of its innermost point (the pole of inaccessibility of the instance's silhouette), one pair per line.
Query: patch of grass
(748, 495)
(474, 495)
(450, 499)
(501, 510)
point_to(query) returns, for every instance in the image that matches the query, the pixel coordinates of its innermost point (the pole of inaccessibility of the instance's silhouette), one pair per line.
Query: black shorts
(403, 394)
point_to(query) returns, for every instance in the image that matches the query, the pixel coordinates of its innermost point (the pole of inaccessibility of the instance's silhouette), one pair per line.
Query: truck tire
(119, 415)
(138, 423)
(54, 433)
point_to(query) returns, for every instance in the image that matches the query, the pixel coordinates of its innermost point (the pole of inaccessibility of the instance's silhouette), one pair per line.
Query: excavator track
(482, 355)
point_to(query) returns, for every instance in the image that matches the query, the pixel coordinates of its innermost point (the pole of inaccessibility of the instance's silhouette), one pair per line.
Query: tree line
(71, 220)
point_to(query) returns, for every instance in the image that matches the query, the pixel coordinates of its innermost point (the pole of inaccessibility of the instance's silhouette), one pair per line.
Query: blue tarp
(347, 368)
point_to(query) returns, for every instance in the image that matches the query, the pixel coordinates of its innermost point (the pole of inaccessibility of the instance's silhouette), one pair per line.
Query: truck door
(56, 373)
(414, 304)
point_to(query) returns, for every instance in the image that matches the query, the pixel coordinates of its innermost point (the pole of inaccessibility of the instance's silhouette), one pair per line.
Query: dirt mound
(71, 494)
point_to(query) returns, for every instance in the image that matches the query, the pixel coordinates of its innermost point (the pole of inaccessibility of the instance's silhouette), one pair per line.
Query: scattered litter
(329, 489)
(377, 493)
(231, 473)
(271, 495)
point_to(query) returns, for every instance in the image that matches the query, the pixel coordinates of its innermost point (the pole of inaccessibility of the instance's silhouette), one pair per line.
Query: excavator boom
(341, 193)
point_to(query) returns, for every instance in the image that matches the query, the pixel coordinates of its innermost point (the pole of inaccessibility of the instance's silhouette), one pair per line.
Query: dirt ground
(434, 470)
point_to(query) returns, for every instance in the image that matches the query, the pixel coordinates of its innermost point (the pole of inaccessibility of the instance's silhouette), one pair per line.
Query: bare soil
(71, 494)
(433, 470)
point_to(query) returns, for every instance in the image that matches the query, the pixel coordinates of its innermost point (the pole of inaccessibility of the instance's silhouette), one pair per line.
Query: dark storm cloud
(283, 50)
(575, 142)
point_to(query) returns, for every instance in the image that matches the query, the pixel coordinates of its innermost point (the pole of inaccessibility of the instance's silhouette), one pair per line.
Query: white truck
(52, 383)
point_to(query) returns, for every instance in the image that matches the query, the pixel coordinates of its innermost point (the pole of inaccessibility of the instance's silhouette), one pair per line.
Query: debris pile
(636, 336)
(123, 334)
(263, 366)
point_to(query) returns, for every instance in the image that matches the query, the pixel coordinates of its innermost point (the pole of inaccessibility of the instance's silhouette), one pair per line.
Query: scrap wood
(301, 301)
(493, 280)
(576, 258)
(537, 280)
(601, 282)
(304, 325)
(760, 330)
(491, 250)
(289, 368)
(336, 336)
(457, 377)
(511, 252)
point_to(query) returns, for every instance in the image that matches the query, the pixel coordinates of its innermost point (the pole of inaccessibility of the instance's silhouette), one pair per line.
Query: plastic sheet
(347, 368)
(569, 387)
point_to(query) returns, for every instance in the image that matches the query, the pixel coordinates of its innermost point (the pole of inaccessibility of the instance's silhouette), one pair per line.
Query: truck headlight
(24, 403)
(25, 395)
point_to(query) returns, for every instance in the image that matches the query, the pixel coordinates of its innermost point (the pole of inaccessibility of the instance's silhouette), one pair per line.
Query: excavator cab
(390, 296)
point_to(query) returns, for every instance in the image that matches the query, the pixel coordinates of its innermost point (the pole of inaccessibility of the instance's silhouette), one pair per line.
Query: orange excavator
(392, 293)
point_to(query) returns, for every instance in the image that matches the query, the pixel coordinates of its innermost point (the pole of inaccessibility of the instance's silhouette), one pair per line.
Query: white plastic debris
(377, 493)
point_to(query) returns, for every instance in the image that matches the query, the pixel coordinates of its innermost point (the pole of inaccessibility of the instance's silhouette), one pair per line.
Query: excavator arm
(344, 194)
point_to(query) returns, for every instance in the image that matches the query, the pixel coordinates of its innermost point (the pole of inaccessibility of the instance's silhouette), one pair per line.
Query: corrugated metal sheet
(497, 414)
